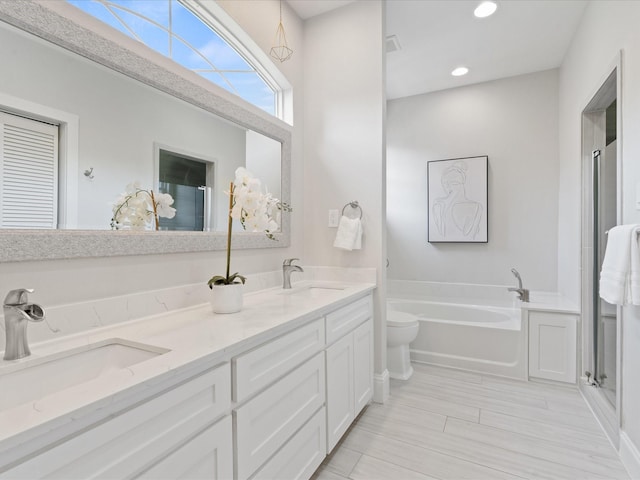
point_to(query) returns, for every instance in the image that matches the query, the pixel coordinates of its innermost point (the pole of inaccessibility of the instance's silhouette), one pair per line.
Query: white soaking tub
(481, 338)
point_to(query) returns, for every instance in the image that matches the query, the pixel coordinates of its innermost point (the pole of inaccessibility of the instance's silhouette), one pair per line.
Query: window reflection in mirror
(176, 31)
(28, 173)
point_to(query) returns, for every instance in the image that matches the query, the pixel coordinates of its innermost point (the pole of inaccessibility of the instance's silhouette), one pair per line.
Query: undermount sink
(33, 378)
(314, 290)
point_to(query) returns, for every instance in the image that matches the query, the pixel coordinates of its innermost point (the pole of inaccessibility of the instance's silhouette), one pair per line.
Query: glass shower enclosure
(604, 320)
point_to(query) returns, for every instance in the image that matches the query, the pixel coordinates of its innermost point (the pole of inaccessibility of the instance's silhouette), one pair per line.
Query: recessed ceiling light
(485, 9)
(458, 72)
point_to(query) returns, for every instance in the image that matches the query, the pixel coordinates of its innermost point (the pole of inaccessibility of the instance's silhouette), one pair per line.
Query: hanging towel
(620, 275)
(349, 234)
(634, 273)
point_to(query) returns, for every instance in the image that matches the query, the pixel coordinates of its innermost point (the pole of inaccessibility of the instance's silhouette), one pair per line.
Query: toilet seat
(400, 319)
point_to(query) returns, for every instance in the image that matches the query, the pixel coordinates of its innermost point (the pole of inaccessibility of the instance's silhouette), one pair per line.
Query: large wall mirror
(125, 114)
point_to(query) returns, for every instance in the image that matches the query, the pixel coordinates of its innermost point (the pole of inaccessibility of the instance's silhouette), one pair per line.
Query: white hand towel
(616, 285)
(634, 270)
(349, 234)
(357, 244)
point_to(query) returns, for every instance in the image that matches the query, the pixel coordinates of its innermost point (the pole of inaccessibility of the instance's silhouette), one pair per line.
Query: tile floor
(449, 424)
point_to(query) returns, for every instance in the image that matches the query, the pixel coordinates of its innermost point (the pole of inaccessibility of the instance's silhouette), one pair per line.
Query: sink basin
(35, 378)
(313, 291)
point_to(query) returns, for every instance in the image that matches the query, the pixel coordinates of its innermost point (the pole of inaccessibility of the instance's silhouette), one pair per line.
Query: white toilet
(402, 329)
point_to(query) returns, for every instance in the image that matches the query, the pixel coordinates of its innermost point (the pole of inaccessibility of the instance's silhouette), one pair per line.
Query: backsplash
(63, 320)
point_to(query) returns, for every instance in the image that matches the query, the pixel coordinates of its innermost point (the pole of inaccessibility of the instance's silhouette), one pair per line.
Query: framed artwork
(457, 196)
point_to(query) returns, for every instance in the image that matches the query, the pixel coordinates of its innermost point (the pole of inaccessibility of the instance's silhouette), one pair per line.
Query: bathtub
(481, 338)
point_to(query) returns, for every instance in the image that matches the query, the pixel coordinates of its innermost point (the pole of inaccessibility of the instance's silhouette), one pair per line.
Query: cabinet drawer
(301, 455)
(209, 455)
(265, 364)
(139, 437)
(269, 419)
(342, 321)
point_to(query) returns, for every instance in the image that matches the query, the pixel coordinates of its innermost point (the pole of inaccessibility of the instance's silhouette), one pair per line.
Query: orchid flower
(257, 212)
(138, 209)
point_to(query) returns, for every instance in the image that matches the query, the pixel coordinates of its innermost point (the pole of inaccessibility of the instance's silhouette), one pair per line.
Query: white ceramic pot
(226, 298)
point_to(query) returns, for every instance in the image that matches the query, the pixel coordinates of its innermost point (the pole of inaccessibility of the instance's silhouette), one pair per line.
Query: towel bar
(606, 232)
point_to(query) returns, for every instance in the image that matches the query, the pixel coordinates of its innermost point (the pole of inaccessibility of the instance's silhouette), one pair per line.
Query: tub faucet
(17, 313)
(523, 293)
(287, 270)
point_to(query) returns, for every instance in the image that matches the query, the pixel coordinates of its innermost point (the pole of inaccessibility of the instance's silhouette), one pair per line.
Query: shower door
(604, 218)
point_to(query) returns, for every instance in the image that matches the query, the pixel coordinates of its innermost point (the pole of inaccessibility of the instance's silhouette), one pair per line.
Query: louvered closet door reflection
(28, 173)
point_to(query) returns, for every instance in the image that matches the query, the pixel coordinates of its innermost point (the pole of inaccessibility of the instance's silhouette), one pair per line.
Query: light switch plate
(334, 218)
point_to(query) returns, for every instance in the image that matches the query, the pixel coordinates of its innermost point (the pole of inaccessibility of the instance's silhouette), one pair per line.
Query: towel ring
(353, 205)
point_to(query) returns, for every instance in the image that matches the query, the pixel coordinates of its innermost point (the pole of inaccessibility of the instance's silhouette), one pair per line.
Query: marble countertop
(195, 338)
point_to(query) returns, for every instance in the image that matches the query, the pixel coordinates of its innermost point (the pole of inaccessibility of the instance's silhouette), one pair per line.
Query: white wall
(586, 64)
(514, 122)
(67, 281)
(344, 139)
(263, 160)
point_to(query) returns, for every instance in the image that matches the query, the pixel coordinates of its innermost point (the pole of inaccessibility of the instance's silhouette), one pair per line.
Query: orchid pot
(226, 298)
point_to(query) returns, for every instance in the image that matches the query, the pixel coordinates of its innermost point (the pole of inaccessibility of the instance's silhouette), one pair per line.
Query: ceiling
(436, 36)
(310, 8)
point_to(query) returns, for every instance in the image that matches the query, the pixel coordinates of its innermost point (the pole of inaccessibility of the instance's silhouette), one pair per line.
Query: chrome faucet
(523, 293)
(287, 270)
(17, 313)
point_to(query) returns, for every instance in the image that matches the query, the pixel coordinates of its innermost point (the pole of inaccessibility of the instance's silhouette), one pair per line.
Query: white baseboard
(630, 455)
(381, 386)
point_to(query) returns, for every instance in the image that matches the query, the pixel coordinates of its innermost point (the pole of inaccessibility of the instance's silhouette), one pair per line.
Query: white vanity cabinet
(270, 409)
(349, 367)
(267, 421)
(254, 370)
(209, 455)
(181, 432)
(294, 393)
(552, 346)
(301, 455)
(280, 389)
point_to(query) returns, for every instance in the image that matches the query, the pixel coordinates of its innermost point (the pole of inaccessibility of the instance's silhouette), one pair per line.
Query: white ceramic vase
(226, 298)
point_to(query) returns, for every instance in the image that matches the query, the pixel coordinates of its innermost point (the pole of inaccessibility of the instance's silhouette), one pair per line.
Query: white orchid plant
(140, 209)
(257, 212)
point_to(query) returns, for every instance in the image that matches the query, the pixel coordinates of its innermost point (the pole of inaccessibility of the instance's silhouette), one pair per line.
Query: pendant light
(281, 51)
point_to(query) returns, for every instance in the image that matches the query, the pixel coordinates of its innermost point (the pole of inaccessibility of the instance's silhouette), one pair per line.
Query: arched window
(174, 29)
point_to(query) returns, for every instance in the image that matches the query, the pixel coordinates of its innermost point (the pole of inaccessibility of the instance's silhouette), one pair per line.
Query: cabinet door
(363, 365)
(209, 455)
(552, 346)
(340, 404)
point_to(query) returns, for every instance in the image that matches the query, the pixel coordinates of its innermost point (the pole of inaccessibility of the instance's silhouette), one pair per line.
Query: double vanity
(263, 393)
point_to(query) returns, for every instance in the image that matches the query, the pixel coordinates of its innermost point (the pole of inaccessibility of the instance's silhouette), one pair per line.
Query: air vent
(393, 44)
